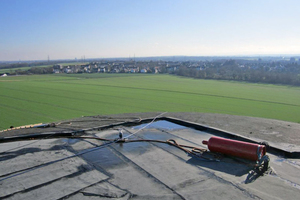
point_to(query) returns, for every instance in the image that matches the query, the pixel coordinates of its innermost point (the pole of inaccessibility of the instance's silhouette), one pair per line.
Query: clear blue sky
(65, 29)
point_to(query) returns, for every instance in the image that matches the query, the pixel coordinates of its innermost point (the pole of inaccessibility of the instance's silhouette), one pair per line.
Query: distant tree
(36, 70)
(163, 69)
(292, 59)
(20, 72)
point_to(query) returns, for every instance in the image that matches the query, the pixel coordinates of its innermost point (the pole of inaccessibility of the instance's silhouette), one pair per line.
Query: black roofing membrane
(67, 169)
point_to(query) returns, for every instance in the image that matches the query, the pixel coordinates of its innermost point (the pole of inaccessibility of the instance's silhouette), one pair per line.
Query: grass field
(50, 98)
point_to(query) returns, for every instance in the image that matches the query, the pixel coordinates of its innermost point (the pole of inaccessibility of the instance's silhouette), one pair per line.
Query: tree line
(230, 70)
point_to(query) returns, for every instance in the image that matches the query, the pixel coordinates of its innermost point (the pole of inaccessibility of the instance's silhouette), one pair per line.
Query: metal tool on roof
(236, 148)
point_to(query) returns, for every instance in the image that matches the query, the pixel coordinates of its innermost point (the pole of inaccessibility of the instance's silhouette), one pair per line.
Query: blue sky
(69, 29)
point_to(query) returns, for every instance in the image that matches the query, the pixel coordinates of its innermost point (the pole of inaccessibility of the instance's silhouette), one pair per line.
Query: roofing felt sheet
(89, 169)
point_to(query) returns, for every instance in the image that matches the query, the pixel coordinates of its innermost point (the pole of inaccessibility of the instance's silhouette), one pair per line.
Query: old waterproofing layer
(45, 182)
(136, 170)
(274, 131)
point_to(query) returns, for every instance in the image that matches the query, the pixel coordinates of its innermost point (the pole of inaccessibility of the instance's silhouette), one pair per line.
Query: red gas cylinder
(236, 148)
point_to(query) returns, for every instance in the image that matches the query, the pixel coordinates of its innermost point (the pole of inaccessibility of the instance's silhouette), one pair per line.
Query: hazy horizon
(285, 56)
(36, 29)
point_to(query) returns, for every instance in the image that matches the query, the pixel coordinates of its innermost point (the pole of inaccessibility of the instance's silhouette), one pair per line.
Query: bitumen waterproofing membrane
(86, 168)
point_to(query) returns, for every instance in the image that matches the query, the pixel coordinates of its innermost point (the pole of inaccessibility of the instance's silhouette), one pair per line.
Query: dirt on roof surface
(257, 128)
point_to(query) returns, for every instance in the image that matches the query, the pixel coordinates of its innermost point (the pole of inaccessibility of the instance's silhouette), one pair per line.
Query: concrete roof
(79, 168)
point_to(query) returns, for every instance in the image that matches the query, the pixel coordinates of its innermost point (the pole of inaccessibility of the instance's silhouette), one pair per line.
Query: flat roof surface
(80, 168)
(276, 131)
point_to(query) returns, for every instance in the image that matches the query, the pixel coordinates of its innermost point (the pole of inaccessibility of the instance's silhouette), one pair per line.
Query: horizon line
(94, 58)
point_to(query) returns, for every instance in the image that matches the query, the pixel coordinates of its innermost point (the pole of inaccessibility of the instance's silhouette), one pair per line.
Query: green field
(50, 98)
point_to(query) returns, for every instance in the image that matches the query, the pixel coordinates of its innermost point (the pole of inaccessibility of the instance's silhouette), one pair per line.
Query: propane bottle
(236, 148)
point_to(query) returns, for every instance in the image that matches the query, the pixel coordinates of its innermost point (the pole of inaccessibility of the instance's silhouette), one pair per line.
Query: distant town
(265, 70)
